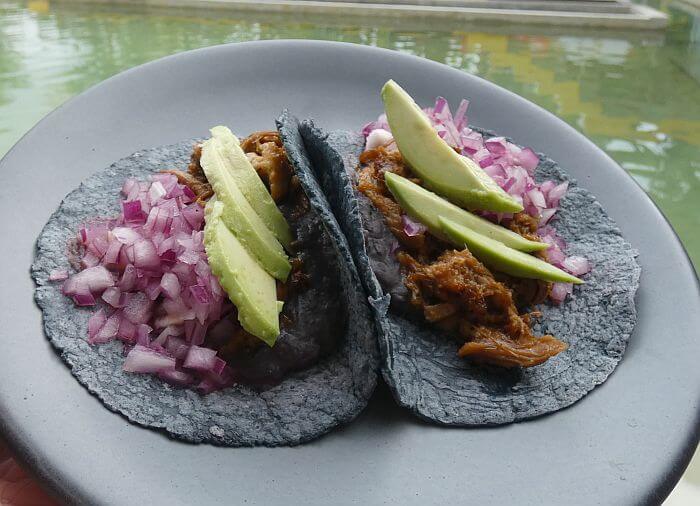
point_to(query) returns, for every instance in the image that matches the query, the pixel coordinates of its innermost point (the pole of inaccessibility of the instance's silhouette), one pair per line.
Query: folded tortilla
(305, 405)
(420, 363)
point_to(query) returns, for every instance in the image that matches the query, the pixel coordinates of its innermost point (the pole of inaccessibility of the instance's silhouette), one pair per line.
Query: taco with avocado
(502, 289)
(203, 288)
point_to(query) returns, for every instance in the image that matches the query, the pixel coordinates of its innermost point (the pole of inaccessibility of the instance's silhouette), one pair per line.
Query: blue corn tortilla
(302, 407)
(421, 365)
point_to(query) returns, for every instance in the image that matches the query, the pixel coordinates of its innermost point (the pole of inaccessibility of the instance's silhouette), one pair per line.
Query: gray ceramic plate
(627, 442)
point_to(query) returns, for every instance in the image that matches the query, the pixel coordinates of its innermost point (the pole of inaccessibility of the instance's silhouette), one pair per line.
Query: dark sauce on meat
(312, 315)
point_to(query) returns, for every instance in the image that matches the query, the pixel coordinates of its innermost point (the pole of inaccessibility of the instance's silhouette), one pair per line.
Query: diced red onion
(189, 257)
(114, 297)
(127, 331)
(200, 294)
(128, 278)
(170, 285)
(200, 359)
(129, 184)
(576, 265)
(537, 198)
(166, 179)
(546, 187)
(98, 246)
(410, 227)
(460, 117)
(127, 254)
(167, 244)
(152, 289)
(495, 171)
(483, 157)
(58, 275)
(143, 334)
(202, 269)
(194, 214)
(163, 222)
(169, 257)
(84, 299)
(556, 193)
(560, 291)
(176, 377)
(95, 323)
(163, 336)
(126, 235)
(155, 248)
(177, 347)
(151, 220)
(94, 279)
(187, 191)
(145, 255)
(195, 331)
(547, 215)
(111, 256)
(108, 331)
(144, 360)
(496, 146)
(555, 255)
(89, 260)
(549, 235)
(219, 366)
(527, 159)
(213, 382)
(177, 312)
(510, 166)
(198, 333)
(373, 125)
(133, 213)
(378, 137)
(156, 192)
(138, 309)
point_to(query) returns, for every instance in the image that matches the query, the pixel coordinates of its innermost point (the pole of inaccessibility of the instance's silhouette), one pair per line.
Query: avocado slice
(441, 168)
(502, 258)
(239, 216)
(252, 186)
(426, 207)
(250, 288)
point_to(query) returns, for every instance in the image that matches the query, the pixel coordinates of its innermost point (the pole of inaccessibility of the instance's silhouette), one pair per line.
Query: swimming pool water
(636, 95)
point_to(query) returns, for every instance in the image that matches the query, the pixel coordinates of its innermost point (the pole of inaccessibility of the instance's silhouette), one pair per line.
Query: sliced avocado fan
(427, 207)
(239, 215)
(502, 258)
(251, 185)
(441, 168)
(250, 288)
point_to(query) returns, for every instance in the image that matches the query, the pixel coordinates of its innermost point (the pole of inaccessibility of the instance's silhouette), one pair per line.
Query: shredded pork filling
(453, 290)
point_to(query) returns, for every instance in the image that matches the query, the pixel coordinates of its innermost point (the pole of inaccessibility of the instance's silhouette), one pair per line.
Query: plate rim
(29, 456)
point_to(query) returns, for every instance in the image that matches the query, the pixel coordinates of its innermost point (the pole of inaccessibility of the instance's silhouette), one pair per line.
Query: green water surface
(635, 94)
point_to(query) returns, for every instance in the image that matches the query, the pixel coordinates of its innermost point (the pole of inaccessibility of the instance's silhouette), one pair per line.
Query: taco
(502, 289)
(216, 299)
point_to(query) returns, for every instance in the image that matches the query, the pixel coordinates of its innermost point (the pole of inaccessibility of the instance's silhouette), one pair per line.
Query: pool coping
(639, 16)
